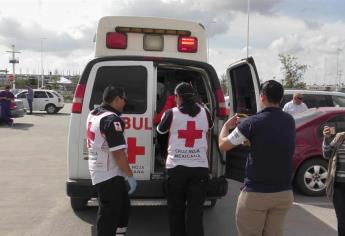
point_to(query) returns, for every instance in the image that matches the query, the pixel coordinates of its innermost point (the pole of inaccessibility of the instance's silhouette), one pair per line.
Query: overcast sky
(311, 30)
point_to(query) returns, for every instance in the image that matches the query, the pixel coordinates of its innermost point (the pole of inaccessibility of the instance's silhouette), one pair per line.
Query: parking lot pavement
(33, 199)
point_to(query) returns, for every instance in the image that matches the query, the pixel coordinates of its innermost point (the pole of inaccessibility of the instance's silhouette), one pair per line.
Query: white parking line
(323, 211)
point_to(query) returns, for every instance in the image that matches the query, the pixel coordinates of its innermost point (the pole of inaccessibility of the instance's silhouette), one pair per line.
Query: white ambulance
(143, 55)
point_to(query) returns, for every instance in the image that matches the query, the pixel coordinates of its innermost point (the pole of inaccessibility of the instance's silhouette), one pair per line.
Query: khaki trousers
(262, 214)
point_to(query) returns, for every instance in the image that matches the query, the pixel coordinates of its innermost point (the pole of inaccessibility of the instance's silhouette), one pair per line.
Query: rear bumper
(83, 188)
(17, 113)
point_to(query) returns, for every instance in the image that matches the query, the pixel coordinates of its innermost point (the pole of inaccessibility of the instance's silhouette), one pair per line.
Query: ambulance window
(132, 78)
(243, 90)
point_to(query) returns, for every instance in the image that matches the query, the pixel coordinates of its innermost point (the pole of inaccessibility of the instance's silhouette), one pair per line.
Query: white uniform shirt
(102, 165)
(188, 140)
(293, 108)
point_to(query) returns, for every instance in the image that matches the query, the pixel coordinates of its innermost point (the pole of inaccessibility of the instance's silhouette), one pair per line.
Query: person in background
(30, 97)
(333, 145)
(187, 163)
(296, 105)
(162, 139)
(6, 97)
(108, 164)
(266, 195)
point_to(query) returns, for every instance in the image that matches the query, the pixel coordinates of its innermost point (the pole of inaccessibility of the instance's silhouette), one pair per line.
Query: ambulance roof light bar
(141, 30)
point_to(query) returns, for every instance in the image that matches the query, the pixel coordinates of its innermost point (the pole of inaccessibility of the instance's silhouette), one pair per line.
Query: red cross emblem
(190, 134)
(134, 150)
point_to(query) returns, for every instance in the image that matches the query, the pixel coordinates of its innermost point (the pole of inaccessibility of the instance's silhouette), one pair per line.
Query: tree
(293, 71)
(224, 83)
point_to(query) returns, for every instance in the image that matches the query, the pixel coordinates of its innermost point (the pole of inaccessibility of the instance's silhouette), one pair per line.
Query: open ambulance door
(137, 78)
(244, 98)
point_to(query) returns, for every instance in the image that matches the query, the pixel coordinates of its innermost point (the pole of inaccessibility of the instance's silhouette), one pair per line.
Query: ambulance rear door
(137, 78)
(243, 84)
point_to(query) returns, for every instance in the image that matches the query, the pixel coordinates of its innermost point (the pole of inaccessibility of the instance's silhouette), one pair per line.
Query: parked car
(44, 100)
(17, 109)
(309, 166)
(310, 169)
(314, 98)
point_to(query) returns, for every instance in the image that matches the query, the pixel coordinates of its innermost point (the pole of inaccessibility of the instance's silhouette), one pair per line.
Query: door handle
(46, 100)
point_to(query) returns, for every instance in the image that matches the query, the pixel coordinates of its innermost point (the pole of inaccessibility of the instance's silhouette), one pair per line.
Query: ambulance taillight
(115, 40)
(187, 44)
(78, 98)
(222, 110)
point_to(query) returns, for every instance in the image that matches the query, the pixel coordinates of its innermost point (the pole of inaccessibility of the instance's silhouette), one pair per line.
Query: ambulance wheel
(78, 204)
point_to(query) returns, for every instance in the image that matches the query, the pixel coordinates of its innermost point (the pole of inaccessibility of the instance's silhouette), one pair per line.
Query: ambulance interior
(168, 76)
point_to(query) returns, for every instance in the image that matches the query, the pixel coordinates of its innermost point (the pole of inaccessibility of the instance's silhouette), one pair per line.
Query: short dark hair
(7, 87)
(273, 90)
(111, 92)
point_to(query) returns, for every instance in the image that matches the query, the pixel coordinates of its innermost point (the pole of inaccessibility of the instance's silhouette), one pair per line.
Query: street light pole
(42, 72)
(13, 61)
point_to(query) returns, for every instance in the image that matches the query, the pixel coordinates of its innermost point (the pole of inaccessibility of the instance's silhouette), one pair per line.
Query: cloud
(27, 36)
(205, 12)
(290, 44)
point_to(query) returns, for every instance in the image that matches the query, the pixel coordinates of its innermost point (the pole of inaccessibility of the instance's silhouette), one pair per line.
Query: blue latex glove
(132, 184)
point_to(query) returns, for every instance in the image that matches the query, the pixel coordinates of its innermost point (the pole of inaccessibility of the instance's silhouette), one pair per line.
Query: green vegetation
(293, 71)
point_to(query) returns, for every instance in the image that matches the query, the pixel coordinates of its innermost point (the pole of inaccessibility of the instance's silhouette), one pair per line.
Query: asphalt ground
(33, 200)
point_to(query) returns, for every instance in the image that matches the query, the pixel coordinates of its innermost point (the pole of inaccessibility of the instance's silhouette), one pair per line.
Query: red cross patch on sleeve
(117, 126)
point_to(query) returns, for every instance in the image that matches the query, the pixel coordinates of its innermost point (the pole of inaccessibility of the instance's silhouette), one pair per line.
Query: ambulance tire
(78, 204)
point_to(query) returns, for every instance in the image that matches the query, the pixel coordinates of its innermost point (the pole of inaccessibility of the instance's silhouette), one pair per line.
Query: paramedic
(266, 195)
(187, 162)
(108, 164)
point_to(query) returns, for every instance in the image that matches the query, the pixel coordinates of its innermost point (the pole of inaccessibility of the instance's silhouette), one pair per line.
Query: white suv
(315, 98)
(44, 100)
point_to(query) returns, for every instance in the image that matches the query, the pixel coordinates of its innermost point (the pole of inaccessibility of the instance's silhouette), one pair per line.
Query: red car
(310, 169)
(309, 166)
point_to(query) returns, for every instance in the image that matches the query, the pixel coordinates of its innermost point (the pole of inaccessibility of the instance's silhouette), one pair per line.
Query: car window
(338, 122)
(50, 95)
(132, 78)
(317, 100)
(22, 95)
(286, 98)
(40, 94)
(305, 116)
(338, 101)
(56, 94)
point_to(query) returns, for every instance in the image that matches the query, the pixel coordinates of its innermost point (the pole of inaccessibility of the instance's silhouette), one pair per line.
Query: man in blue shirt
(30, 97)
(266, 195)
(5, 102)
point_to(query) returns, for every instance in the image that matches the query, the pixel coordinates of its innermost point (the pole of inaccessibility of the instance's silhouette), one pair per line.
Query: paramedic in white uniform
(187, 163)
(108, 164)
